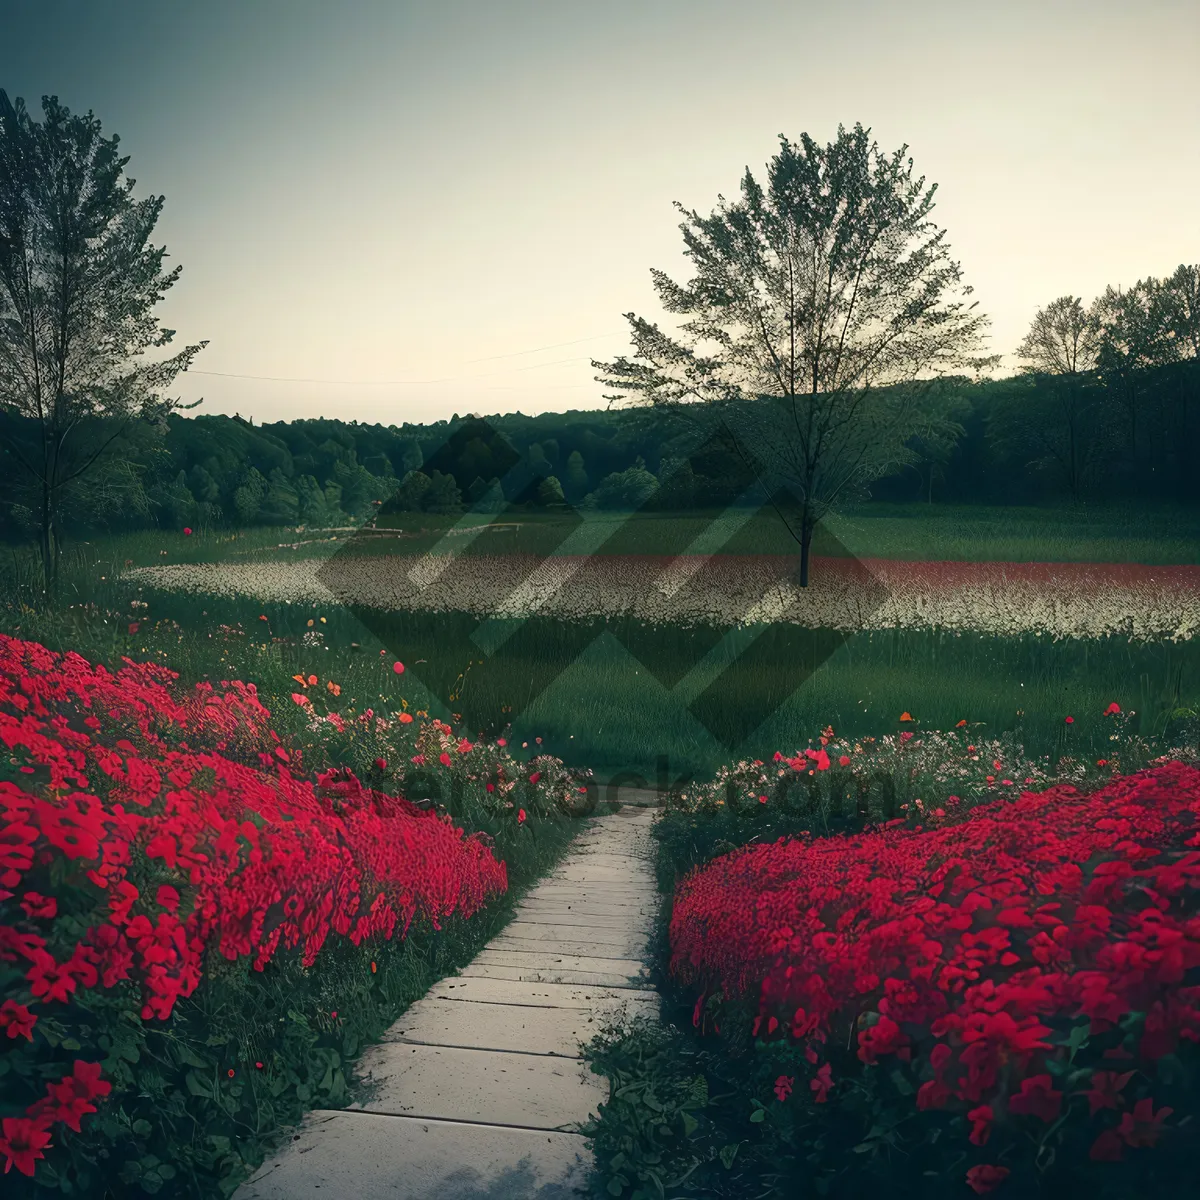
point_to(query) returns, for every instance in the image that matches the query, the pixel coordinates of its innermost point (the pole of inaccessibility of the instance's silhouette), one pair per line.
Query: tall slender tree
(78, 280)
(815, 295)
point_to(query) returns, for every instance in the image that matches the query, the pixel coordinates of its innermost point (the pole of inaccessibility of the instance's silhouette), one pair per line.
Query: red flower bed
(123, 801)
(981, 955)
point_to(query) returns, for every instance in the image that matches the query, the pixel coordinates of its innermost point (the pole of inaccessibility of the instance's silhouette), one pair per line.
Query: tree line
(832, 355)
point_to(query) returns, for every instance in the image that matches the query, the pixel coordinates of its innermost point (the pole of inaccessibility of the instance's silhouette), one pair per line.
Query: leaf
(758, 1116)
(142, 1127)
(189, 1057)
(903, 1084)
(690, 1124)
(70, 1044)
(615, 1186)
(198, 1085)
(728, 1154)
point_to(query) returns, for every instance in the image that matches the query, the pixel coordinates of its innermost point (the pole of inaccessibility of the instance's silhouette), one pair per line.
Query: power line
(420, 382)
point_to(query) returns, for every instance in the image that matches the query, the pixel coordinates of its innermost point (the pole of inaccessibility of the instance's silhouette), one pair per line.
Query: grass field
(618, 695)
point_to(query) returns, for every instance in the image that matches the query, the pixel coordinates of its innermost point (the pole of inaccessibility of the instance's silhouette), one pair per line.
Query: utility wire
(422, 382)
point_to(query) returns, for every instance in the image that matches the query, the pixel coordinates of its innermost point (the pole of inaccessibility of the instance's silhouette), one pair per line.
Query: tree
(1064, 423)
(78, 280)
(1180, 299)
(1061, 423)
(442, 495)
(626, 490)
(935, 439)
(1064, 338)
(575, 485)
(410, 495)
(550, 491)
(815, 294)
(676, 483)
(1133, 336)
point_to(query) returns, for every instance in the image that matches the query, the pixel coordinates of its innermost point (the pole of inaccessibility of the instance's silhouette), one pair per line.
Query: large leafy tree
(1063, 422)
(825, 298)
(1063, 338)
(78, 280)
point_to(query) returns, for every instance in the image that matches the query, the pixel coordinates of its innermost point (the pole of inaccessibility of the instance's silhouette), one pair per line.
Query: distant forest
(1029, 439)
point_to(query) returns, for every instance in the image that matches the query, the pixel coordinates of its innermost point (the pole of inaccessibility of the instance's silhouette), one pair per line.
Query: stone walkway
(475, 1093)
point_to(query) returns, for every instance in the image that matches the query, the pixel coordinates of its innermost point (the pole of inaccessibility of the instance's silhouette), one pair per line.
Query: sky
(399, 211)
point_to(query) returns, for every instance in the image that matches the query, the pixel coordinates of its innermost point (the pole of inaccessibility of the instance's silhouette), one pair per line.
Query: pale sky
(388, 194)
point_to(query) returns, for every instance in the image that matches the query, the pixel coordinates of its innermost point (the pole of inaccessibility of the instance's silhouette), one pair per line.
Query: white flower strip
(1057, 600)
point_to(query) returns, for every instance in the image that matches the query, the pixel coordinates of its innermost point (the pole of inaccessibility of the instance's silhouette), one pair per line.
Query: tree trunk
(806, 532)
(46, 544)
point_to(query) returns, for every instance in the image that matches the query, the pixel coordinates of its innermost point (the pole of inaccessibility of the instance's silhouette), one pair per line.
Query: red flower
(1070, 720)
(71, 1098)
(986, 1178)
(22, 1143)
(187, 532)
(535, 777)
(1108, 1147)
(1114, 707)
(521, 817)
(38, 906)
(398, 668)
(50, 980)
(1037, 1098)
(783, 1086)
(405, 718)
(821, 1083)
(1106, 1089)
(844, 761)
(133, 627)
(17, 1020)
(1143, 1126)
(982, 1118)
(381, 764)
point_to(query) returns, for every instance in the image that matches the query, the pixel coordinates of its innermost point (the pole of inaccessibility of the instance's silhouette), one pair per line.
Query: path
(477, 1089)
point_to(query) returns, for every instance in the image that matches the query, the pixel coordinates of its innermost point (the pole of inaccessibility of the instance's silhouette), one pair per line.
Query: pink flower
(187, 531)
(398, 668)
(783, 1087)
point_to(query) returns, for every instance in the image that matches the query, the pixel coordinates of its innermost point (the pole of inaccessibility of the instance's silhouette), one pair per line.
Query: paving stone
(568, 962)
(583, 917)
(556, 975)
(629, 949)
(537, 995)
(514, 1027)
(493, 1087)
(548, 931)
(371, 1157)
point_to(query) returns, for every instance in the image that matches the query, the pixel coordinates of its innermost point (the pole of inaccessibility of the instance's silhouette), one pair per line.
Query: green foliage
(623, 490)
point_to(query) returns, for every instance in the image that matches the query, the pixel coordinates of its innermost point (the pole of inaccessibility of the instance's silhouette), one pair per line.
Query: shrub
(175, 894)
(1007, 1000)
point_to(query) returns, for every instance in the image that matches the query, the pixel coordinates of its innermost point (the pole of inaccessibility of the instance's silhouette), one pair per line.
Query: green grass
(913, 532)
(621, 697)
